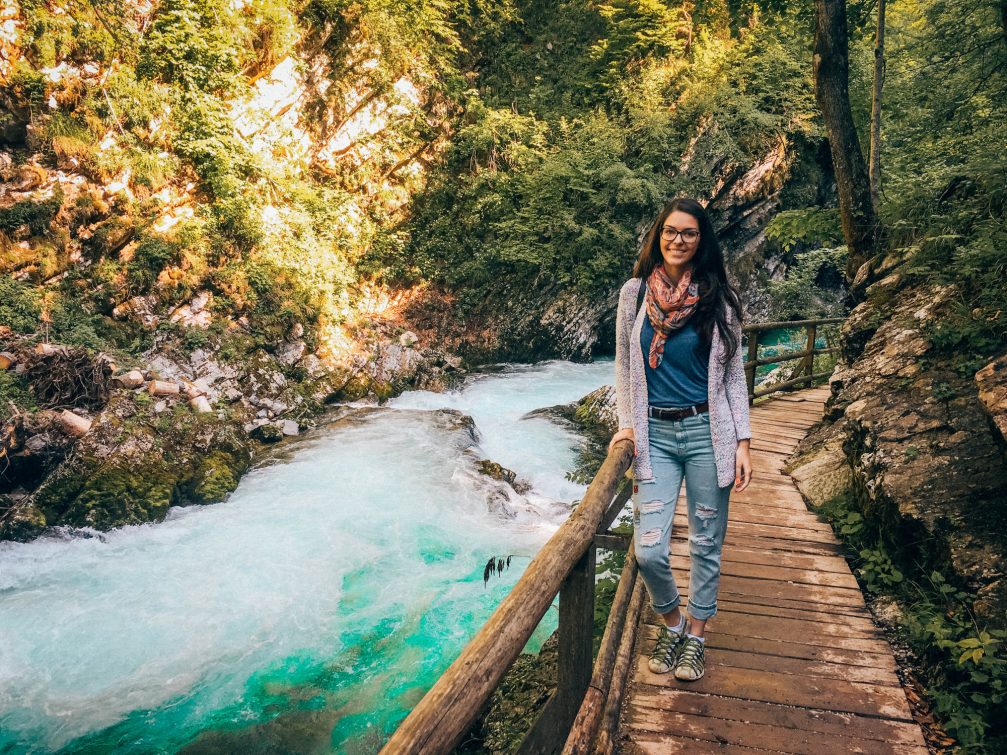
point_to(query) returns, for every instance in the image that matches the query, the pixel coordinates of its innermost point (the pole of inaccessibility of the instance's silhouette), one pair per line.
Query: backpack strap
(639, 296)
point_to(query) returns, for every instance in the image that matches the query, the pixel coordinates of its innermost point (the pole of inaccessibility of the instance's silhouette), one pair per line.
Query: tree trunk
(831, 67)
(879, 82)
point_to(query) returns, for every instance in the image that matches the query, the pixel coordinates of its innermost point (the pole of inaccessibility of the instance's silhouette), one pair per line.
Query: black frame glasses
(689, 235)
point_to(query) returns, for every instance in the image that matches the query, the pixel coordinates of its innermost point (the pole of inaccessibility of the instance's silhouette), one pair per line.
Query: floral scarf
(669, 307)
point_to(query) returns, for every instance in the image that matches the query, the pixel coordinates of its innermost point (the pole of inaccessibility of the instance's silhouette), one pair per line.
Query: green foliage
(524, 208)
(812, 286)
(14, 388)
(814, 226)
(26, 85)
(964, 664)
(152, 255)
(552, 176)
(877, 570)
(191, 43)
(968, 665)
(35, 215)
(636, 30)
(945, 157)
(79, 31)
(20, 306)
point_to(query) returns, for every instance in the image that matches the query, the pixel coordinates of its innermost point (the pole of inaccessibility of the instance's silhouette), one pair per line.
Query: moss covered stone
(125, 495)
(22, 523)
(216, 476)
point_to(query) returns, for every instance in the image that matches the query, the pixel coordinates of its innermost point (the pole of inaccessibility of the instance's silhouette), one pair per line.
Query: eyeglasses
(689, 235)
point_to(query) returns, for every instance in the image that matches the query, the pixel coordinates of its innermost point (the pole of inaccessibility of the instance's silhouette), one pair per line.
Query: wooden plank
(782, 664)
(775, 556)
(757, 528)
(761, 608)
(790, 433)
(812, 547)
(723, 640)
(796, 632)
(763, 736)
(741, 513)
(783, 602)
(655, 744)
(780, 573)
(791, 689)
(799, 719)
(824, 653)
(787, 609)
(768, 588)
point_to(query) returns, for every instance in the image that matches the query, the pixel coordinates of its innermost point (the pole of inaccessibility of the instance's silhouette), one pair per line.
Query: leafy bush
(812, 226)
(964, 664)
(191, 43)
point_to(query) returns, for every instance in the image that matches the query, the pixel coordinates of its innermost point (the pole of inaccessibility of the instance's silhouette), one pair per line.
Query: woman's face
(679, 240)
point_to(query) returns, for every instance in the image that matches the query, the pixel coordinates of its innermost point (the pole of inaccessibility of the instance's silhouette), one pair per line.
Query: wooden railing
(805, 371)
(565, 565)
(582, 716)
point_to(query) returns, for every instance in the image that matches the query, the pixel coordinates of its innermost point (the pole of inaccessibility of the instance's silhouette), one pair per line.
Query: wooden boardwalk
(794, 662)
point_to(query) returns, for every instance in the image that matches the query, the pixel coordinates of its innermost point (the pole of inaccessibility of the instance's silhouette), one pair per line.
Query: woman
(683, 401)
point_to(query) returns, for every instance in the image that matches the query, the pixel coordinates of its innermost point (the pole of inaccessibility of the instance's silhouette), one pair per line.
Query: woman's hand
(626, 432)
(743, 465)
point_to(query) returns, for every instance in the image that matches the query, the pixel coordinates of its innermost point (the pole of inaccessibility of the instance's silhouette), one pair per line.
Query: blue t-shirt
(681, 378)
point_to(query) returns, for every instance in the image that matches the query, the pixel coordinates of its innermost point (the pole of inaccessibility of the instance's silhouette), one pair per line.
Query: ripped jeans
(681, 448)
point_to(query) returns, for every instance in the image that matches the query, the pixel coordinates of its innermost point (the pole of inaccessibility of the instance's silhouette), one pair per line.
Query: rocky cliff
(916, 440)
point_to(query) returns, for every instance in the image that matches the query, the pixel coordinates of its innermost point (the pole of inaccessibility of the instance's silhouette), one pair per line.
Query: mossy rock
(268, 433)
(25, 523)
(354, 389)
(121, 494)
(496, 471)
(216, 476)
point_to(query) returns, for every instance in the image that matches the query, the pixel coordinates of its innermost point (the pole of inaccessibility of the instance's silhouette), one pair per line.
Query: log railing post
(809, 361)
(573, 673)
(753, 356)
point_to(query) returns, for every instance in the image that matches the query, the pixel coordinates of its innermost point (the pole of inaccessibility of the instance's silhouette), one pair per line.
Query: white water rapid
(308, 612)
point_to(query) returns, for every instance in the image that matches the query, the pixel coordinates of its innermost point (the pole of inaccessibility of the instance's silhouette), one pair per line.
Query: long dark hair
(716, 293)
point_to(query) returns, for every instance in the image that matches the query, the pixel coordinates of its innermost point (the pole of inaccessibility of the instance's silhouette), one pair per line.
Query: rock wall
(918, 444)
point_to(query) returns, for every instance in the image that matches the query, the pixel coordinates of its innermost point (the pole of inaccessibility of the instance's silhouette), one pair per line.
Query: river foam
(312, 607)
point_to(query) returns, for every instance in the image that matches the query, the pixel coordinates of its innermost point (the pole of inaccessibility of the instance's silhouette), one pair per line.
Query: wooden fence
(565, 565)
(805, 370)
(582, 716)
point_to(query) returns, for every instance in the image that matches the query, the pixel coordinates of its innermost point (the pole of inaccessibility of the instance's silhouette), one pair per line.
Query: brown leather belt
(690, 411)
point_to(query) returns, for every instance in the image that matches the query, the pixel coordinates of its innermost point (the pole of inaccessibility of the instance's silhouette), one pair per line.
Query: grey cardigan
(728, 391)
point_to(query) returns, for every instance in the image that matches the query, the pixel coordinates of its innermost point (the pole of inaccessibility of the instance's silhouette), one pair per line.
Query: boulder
(73, 424)
(290, 354)
(289, 427)
(823, 475)
(923, 447)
